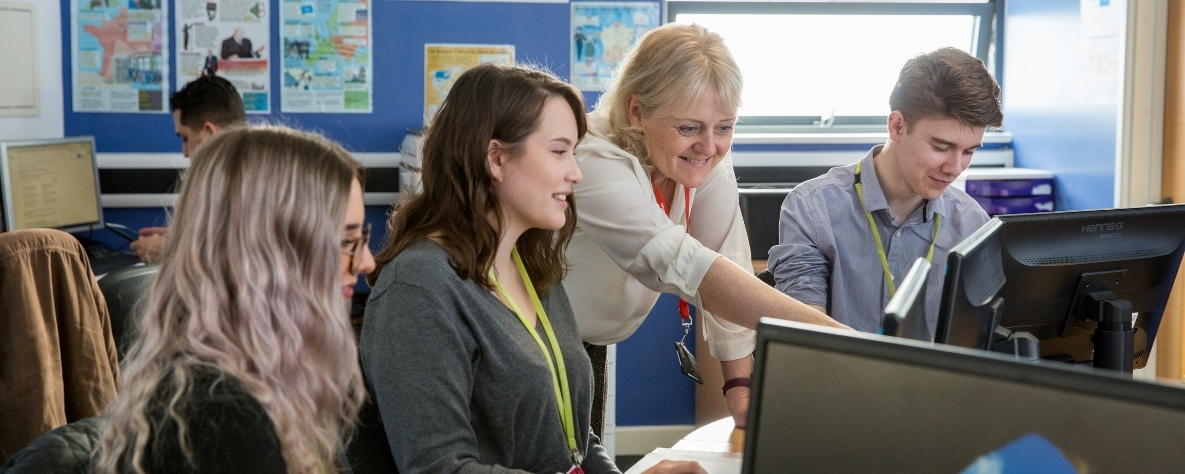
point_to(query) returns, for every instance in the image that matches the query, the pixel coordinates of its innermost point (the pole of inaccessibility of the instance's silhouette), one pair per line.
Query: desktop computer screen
(50, 183)
(905, 315)
(1082, 283)
(825, 400)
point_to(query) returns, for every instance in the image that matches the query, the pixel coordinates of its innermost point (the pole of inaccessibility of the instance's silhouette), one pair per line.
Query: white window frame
(987, 13)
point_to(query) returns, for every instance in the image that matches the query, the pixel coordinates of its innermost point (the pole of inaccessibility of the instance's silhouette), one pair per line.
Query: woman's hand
(676, 467)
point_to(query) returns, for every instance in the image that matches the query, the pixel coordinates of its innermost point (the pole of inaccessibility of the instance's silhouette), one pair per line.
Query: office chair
(766, 276)
(58, 361)
(369, 450)
(123, 290)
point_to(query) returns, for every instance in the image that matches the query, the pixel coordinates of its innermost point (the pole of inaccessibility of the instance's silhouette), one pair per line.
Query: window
(831, 66)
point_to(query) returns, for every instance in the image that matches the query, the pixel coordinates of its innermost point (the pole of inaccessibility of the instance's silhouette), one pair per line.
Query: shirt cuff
(697, 265)
(806, 289)
(727, 341)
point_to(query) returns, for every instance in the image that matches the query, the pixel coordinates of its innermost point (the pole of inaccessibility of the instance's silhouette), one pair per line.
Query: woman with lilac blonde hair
(244, 359)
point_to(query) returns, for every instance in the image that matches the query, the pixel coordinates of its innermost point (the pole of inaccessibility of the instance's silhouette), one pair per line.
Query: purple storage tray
(1015, 205)
(1010, 187)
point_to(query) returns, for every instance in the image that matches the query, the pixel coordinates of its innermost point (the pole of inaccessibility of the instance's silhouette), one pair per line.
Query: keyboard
(105, 263)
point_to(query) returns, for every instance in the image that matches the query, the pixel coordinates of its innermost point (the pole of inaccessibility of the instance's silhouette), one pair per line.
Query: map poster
(327, 56)
(116, 51)
(444, 63)
(228, 38)
(601, 34)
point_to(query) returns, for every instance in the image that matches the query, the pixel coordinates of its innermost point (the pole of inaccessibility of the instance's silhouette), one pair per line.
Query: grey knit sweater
(460, 384)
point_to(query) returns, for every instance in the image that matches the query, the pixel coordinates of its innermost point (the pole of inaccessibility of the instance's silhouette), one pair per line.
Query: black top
(461, 386)
(228, 432)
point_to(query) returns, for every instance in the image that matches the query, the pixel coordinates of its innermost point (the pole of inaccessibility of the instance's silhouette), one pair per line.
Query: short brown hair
(947, 82)
(488, 102)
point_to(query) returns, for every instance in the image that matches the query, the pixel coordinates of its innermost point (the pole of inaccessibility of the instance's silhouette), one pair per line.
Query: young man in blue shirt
(828, 255)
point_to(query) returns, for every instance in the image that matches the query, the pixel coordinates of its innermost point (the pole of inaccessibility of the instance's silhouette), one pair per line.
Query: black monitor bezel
(909, 301)
(954, 301)
(1047, 374)
(6, 183)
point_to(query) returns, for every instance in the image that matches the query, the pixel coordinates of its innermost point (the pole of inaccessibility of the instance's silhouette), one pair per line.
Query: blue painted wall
(1050, 129)
(401, 28)
(651, 390)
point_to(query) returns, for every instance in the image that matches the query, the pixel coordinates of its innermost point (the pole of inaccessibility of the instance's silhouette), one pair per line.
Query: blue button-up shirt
(826, 255)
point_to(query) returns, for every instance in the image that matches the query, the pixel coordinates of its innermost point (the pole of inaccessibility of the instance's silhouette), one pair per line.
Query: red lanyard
(684, 311)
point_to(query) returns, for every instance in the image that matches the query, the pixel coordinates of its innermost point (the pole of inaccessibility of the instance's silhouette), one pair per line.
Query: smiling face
(931, 153)
(535, 185)
(351, 233)
(686, 149)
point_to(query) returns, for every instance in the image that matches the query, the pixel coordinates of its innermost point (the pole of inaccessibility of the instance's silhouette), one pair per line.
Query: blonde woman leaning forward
(469, 339)
(657, 156)
(245, 361)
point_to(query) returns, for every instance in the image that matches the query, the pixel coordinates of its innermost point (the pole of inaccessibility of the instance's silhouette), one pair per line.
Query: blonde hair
(670, 67)
(249, 289)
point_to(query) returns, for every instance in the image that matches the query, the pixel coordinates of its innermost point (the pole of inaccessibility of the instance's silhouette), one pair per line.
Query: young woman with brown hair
(469, 341)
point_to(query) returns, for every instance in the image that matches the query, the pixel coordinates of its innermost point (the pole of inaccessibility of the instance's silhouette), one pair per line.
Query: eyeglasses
(352, 247)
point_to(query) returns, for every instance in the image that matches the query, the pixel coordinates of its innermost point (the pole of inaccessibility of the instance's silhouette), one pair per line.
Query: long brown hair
(458, 203)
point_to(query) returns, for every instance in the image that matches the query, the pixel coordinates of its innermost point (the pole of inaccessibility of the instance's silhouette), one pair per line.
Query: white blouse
(626, 250)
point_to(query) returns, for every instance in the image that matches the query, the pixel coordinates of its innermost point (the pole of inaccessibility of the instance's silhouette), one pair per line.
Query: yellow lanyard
(559, 378)
(880, 248)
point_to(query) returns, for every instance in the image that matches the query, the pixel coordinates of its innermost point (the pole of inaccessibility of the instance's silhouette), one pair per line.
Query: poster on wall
(1102, 29)
(601, 34)
(327, 56)
(116, 51)
(444, 63)
(228, 38)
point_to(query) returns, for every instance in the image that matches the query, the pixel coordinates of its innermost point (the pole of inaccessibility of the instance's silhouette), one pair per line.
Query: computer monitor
(50, 184)
(825, 400)
(1071, 280)
(905, 315)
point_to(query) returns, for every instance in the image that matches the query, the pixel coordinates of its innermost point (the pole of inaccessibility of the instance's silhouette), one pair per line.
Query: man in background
(201, 109)
(846, 238)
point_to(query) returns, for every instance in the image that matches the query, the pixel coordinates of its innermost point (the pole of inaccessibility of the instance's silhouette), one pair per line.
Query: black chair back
(766, 276)
(123, 290)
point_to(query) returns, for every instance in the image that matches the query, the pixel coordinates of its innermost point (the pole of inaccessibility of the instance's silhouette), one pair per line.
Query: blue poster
(601, 35)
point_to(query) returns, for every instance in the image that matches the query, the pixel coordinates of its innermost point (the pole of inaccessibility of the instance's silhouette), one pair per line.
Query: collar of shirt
(597, 143)
(874, 195)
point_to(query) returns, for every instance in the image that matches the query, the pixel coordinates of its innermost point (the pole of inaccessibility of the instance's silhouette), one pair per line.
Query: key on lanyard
(687, 363)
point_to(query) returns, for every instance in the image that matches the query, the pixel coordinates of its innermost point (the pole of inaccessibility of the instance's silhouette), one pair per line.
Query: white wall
(49, 62)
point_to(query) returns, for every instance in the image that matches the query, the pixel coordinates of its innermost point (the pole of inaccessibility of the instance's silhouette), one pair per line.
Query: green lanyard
(559, 379)
(880, 248)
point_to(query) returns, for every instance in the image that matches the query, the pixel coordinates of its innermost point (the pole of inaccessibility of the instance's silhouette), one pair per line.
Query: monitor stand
(1114, 339)
(1095, 300)
(1020, 344)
